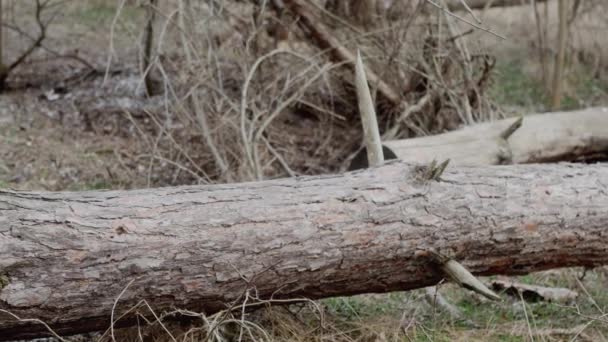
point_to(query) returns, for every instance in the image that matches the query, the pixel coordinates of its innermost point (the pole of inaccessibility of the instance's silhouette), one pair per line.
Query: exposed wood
(542, 138)
(534, 293)
(371, 133)
(459, 274)
(65, 257)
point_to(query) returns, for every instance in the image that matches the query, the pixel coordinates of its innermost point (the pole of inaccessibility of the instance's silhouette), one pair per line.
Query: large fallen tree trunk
(66, 257)
(542, 138)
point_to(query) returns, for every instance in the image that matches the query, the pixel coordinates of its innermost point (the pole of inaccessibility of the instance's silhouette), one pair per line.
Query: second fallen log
(542, 138)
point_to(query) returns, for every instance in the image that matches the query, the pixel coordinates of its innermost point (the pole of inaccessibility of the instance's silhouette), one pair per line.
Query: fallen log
(66, 257)
(542, 138)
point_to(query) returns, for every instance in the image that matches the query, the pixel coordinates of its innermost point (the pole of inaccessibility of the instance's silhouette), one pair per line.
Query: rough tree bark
(65, 257)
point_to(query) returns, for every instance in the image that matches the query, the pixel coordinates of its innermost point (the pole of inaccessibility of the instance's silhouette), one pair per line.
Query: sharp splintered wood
(511, 129)
(458, 273)
(368, 116)
(462, 276)
(432, 171)
(438, 171)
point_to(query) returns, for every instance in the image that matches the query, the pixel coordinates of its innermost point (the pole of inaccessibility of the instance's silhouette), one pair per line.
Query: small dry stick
(466, 6)
(433, 171)
(448, 12)
(438, 171)
(373, 143)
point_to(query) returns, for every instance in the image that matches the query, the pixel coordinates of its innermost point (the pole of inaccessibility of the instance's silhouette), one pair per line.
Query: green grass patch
(512, 86)
(585, 90)
(365, 306)
(96, 185)
(3, 184)
(102, 14)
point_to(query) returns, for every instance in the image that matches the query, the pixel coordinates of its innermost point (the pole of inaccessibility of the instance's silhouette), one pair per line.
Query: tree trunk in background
(66, 257)
(542, 45)
(185, 8)
(3, 67)
(560, 58)
(148, 43)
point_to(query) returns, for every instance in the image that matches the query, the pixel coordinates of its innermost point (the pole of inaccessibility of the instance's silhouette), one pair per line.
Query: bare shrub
(42, 18)
(248, 95)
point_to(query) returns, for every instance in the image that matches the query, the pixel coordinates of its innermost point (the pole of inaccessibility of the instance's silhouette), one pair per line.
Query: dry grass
(297, 114)
(241, 104)
(405, 316)
(521, 84)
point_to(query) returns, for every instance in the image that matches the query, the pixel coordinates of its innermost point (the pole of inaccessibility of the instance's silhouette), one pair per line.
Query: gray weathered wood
(542, 138)
(65, 257)
(371, 133)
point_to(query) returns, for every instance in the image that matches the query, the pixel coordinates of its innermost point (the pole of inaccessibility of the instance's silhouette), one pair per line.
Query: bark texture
(542, 138)
(65, 257)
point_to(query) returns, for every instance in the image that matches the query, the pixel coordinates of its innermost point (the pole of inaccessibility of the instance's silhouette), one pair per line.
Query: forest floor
(62, 127)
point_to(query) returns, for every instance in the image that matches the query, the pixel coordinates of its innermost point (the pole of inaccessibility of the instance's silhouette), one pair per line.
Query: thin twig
(448, 12)
(114, 309)
(34, 320)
